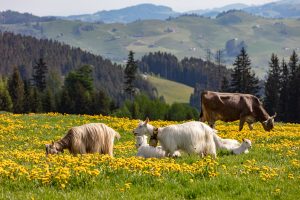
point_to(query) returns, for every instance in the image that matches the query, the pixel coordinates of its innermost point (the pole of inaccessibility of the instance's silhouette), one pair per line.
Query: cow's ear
(243, 139)
(52, 142)
(146, 121)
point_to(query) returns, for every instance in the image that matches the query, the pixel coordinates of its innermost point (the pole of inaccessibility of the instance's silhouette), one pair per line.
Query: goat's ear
(146, 121)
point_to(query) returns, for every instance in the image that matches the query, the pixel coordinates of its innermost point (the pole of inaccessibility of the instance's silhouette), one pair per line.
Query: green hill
(172, 91)
(182, 36)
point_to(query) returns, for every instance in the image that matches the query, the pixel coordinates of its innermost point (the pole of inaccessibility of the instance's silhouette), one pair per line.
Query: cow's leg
(242, 121)
(250, 126)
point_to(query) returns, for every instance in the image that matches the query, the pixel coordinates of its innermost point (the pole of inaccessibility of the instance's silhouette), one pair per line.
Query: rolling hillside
(182, 36)
(172, 91)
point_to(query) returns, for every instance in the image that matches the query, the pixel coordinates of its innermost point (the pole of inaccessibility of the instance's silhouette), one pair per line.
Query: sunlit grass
(270, 170)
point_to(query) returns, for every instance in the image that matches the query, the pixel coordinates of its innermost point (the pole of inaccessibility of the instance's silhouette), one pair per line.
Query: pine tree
(294, 90)
(225, 85)
(284, 91)
(37, 106)
(242, 79)
(130, 75)
(273, 85)
(5, 99)
(28, 97)
(48, 101)
(39, 75)
(16, 90)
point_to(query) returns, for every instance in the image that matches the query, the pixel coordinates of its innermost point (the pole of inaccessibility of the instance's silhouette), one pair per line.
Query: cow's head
(53, 149)
(269, 123)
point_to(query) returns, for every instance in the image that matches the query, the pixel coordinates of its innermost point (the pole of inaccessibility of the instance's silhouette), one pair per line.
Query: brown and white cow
(234, 106)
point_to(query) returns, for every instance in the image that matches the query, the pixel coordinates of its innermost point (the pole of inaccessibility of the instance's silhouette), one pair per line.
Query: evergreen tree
(5, 99)
(28, 97)
(79, 87)
(225, 87)
(48, 101)
(37, 106)
(273, 85)
(242, 79)
(284, 91)
(39, 75)
(16, 90)
(130, 74)
(294, 90)
(101, 103)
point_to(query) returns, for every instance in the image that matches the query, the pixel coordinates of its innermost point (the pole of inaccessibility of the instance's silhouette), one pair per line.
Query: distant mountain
(215, 11)
(12, 17)
(279, 9)
(183, 36)
(128, 14)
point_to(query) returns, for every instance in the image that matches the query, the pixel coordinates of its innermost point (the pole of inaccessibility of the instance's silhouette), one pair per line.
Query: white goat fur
(191, 137)
(246, 144)
(233, 145)
(88, 138)
(146, 151)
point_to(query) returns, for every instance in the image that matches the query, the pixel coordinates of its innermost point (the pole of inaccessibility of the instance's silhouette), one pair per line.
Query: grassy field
(172, 91)
(269, 171)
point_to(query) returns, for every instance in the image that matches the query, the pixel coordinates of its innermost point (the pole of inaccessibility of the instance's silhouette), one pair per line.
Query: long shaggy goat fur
(191, 137)
(147, 151)
(88, 138)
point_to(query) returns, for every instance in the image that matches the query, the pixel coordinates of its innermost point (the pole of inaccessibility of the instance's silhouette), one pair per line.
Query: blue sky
(70, 7)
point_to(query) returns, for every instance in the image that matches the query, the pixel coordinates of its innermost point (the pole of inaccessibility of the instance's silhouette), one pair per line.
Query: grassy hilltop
(182, 36)
(269, 171)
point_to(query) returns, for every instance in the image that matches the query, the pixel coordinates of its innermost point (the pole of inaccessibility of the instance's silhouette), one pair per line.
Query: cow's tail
(201, 113)
(201, 106)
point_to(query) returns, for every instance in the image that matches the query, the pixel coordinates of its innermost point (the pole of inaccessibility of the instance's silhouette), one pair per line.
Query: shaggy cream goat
(191, 137)
(147, 151)
(88, 138)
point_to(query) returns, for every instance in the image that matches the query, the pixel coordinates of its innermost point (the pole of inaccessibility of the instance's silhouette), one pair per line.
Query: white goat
(147, 151)
(191, 137)
(246, 144)
(233, 145)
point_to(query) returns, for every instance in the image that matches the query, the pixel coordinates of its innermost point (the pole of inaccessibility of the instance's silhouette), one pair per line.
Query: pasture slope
(270, 171)
(184, 36)
(172, 91)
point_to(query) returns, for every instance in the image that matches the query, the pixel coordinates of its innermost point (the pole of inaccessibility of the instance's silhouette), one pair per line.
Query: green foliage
(143, 107)
(243, 80)
(293, 105)
(282, 88)
(225, 87)
(39, 75)
(5, 99)
(273, 85)
(16, 90)
(130, 74)
(180, 112)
